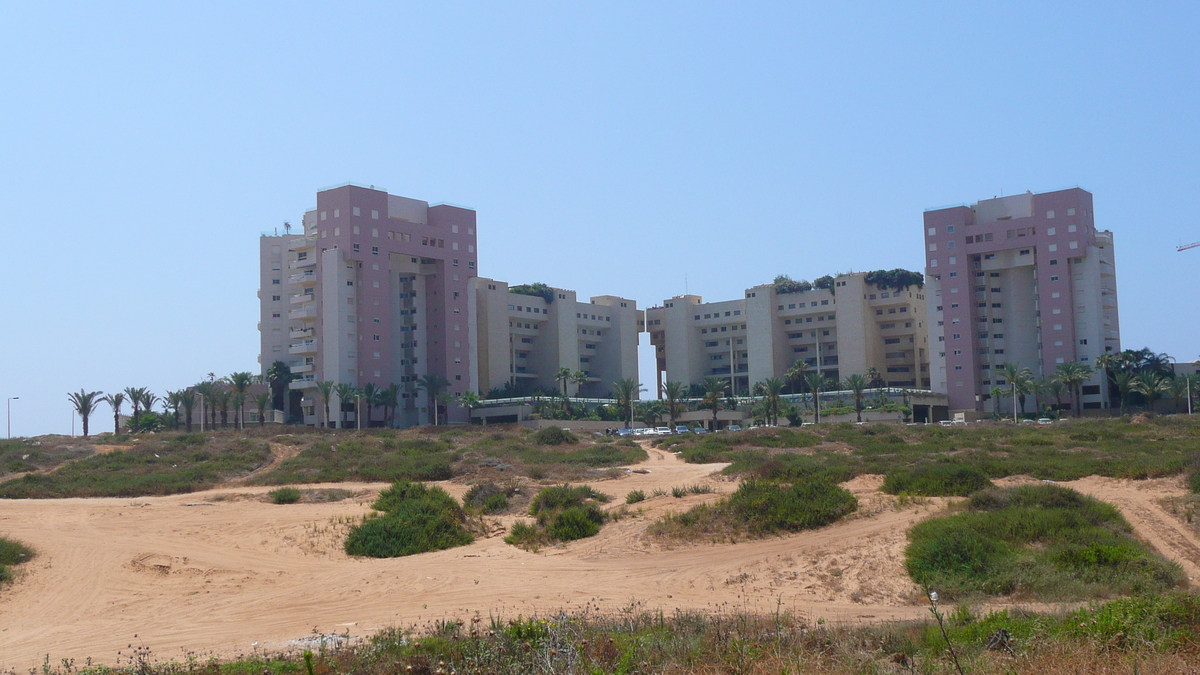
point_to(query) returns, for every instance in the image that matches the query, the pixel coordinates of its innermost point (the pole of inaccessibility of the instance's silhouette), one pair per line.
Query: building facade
(523, 340)
(1025, 279)
(848, 328)
(374, 290)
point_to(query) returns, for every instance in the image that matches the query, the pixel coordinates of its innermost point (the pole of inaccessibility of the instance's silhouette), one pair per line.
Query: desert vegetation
(415, 518)
(562, 513)
(1040, 541)
(761, 508)
(160, 465)
(12, 553)
(1116, 448)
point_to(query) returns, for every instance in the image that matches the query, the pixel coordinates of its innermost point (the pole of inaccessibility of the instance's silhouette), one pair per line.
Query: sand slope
(211, 573)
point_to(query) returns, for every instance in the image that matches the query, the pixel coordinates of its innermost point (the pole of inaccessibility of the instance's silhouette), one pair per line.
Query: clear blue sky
(612, 149)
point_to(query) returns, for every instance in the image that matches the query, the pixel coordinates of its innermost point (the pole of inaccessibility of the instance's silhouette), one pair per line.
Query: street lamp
(8, 404)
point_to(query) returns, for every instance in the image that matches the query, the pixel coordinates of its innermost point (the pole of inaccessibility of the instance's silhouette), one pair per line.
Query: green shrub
(416, 518)
(284, 495)
(760, 508)
(935, 480)
(564, 496)
(1035, 540)
(554, 436)
(564, 513)
(635, 496)
(768, 507)
(1194, 482)
(678, 492)
(489, 497)
(12, 553)
(366, 459)
(576, 522)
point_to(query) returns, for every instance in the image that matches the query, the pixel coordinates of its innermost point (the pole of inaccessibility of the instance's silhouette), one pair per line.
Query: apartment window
(275, 315)
(933, 231)
(1073, 244)
(950, 244)
(276, 298)
(324, 214)
(953, 274)
(1052, 248)
(375, 338)
(998, 336)
(953, 260)
(989, 256)
(878, 312)
(1071, 228)
(275, 282)
(1024, 251)
(932, 248)
(1054, 278)
(736, 312)
(1054, 262)
(356, 248)
(823, 302)
(374, 250)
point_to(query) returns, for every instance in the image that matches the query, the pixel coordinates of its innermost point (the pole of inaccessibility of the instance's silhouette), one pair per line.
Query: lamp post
(8, 404)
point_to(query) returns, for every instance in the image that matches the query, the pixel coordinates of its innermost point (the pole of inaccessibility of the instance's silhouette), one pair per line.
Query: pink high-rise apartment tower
(1025, 279)
(373, 291)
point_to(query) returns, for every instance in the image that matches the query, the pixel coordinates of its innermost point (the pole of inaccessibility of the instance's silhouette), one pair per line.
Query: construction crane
(1185, 247)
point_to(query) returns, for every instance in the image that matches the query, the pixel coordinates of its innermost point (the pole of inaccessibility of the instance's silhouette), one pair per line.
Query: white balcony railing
(302, 264)
(309, 277)
(303, 313)
(302, 333)
(309, 347)
(303, 297)
(303, 242)
(306, 368)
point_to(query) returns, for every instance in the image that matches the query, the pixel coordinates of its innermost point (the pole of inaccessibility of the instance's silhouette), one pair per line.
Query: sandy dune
(214, 573)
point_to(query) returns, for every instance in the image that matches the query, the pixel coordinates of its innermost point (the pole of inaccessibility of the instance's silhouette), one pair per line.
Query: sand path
(213, 573)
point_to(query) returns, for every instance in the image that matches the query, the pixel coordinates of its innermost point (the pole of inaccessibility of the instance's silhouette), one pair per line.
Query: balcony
(303, 297)
(303, 242)
(302, 264)
(309, 347)
(298, 333)
(303, 383)
(303, 313)
(309, 277)
(306, 368)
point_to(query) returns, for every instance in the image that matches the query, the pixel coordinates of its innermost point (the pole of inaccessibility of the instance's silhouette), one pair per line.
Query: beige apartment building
(522, 340)
(844, 329)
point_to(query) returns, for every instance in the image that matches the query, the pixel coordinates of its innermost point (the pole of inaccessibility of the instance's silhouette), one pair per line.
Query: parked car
(734, 427)
(1045, 420)
(682, 430)
(699, 430)
(662, 431)
(624, 432)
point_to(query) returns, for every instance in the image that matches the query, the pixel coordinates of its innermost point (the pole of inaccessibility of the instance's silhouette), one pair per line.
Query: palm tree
(370, 393)
(325, 390)
(469, 400)
(996, 394)
(240, 383)
(816, 382)
(1019, 382)
(221, 400)
(204, 389)
(563, 376)
(148, 401)
(625, 391)
(1055, 387)
(874, 378)
(857, 384)
(262, 401)
(579, 378)
(675, 393)
(1150, 384)
(85, 404)
(772, 390)
(796, 374)
(714, 389)
(1125, 385)
(1178, 390)
(187, 399)
(135, 399)
(433, 385)
(389, 398)
(1106, 363)
(1073, 375)
(171, 405)
(115, 401)
(279, 376)
(345, 392)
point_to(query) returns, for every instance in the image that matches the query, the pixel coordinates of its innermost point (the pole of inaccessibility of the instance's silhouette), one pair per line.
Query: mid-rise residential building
(374, 290)
(849, 325)
(524, 335)
(1026, 280)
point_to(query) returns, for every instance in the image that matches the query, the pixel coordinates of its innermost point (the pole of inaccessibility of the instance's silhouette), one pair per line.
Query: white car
(662, 431)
